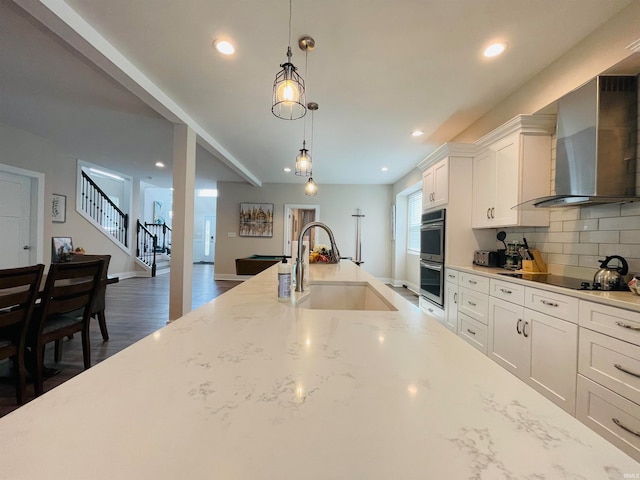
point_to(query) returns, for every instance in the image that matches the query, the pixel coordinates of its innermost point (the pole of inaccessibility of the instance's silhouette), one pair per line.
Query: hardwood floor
(408, 294)
(135, 308)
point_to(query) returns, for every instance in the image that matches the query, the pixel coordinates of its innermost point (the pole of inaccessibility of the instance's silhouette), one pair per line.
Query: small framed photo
(61, 249)
(256, 219)
(58, 208)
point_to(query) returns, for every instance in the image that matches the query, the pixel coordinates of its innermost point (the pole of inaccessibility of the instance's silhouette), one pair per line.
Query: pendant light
(304, 162)
(289, 100)
(310, 188)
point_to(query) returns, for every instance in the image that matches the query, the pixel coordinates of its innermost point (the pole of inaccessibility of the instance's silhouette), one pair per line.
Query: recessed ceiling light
(287, 169)
(417, 133)
(160, 164)
(495, 49)
(384, 169)
(224, 46)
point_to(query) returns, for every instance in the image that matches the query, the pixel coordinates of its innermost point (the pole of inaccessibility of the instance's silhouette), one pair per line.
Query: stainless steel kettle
(611, 278)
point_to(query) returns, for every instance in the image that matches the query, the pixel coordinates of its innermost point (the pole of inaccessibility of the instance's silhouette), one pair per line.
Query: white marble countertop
(247, 387)
(627, 300)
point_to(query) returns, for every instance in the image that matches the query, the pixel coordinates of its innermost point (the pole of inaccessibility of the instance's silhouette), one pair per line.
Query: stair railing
(146, 246)
(95, 203)
(163, 231)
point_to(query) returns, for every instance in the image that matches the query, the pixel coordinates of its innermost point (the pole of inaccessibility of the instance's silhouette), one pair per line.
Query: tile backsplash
(578, 237)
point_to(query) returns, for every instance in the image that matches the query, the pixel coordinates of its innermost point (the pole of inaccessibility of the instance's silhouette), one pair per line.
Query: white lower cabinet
(473, 304)
(508, 343)
(451, 306)
(472, 332)
(538, 348)
(553, 358)
(427, 307)
(608, 398)
(610, 415)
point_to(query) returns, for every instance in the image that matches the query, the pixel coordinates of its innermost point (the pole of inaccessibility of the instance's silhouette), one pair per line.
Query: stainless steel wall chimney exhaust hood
(596, 152)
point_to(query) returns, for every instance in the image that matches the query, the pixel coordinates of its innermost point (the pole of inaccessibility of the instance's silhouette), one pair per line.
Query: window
(413, 221)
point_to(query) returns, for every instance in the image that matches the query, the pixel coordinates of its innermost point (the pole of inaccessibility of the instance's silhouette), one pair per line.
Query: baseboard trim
(232, 277)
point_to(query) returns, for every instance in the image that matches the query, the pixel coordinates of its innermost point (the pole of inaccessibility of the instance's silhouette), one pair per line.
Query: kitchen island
(246, 387)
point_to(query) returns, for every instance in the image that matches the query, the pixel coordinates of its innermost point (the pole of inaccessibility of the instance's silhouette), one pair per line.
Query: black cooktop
(559, 281)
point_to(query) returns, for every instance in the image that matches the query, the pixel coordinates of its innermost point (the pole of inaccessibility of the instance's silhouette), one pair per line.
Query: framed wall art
(61, 249)
(58, 208)
(256, 219)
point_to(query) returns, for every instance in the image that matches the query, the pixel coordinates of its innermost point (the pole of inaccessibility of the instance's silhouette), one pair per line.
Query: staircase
(153, 246)
(98, 207)
(153, 242)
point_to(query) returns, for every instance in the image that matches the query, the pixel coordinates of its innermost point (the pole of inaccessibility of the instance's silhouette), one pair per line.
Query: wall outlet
(231, 234)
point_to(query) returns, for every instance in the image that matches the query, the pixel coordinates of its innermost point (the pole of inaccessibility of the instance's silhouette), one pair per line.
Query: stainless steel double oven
(432, 232)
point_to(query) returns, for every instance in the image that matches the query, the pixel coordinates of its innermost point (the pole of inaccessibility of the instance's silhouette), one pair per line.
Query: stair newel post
(125, 219)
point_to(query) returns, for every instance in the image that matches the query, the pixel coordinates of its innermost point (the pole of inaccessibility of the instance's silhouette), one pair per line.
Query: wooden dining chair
(70, 288)
(18, 292)
(99, 301)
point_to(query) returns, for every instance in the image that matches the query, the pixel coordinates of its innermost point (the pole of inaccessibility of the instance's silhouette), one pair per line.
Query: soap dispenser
(284, 281)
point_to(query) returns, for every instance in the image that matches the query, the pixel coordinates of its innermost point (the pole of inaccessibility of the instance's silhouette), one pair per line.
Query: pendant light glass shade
(310, 188)
(303, 161)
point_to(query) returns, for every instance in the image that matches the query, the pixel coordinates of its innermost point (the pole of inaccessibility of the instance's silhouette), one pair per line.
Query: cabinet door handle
(471, 303)
(549, 304)
(452, 276)
(504, 290)
(493, 212)
(488, 213)
(624, 427)
(622, 369)
(472, 282)
(433, 197)
(471, 331)
(455, 297)
(524, 330)
(518, 326)
(624, 325)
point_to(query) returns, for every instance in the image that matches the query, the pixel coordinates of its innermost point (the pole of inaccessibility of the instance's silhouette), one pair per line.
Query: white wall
(337, 205)
(405, 266)
(25, 150)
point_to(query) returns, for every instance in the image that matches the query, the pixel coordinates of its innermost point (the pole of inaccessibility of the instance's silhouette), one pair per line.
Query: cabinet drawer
(474, 304)
(473, 332)
(430, 309)
(610, 362)
(619, 323)
(451, 276)
(511, 292)
(610, 415)
(474, 282)
(554, 304)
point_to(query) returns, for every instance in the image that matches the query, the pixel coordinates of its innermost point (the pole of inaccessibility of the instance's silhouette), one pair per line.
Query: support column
(184, 174)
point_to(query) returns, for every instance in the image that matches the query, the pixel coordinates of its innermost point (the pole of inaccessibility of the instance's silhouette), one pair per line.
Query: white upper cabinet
(513, 166)
(435, 185)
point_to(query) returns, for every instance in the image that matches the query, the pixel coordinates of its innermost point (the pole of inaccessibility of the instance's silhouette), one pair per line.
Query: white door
(15, 220)
(209, 241)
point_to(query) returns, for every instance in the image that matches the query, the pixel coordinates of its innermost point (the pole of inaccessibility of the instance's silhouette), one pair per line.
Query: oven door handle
(432, 226)
(431, 266)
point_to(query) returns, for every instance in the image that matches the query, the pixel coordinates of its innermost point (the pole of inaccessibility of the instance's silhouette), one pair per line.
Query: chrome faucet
(333, 258)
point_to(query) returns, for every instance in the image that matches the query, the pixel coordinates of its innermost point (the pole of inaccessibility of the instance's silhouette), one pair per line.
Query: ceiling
(379, 70)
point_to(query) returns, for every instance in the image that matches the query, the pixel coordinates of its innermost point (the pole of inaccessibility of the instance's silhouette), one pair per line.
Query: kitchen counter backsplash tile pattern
(577, 238)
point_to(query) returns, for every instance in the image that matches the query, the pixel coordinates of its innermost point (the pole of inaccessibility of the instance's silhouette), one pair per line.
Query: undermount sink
(343, 296)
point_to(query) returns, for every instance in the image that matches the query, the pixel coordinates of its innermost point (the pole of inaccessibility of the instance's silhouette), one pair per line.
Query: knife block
(535, 265)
